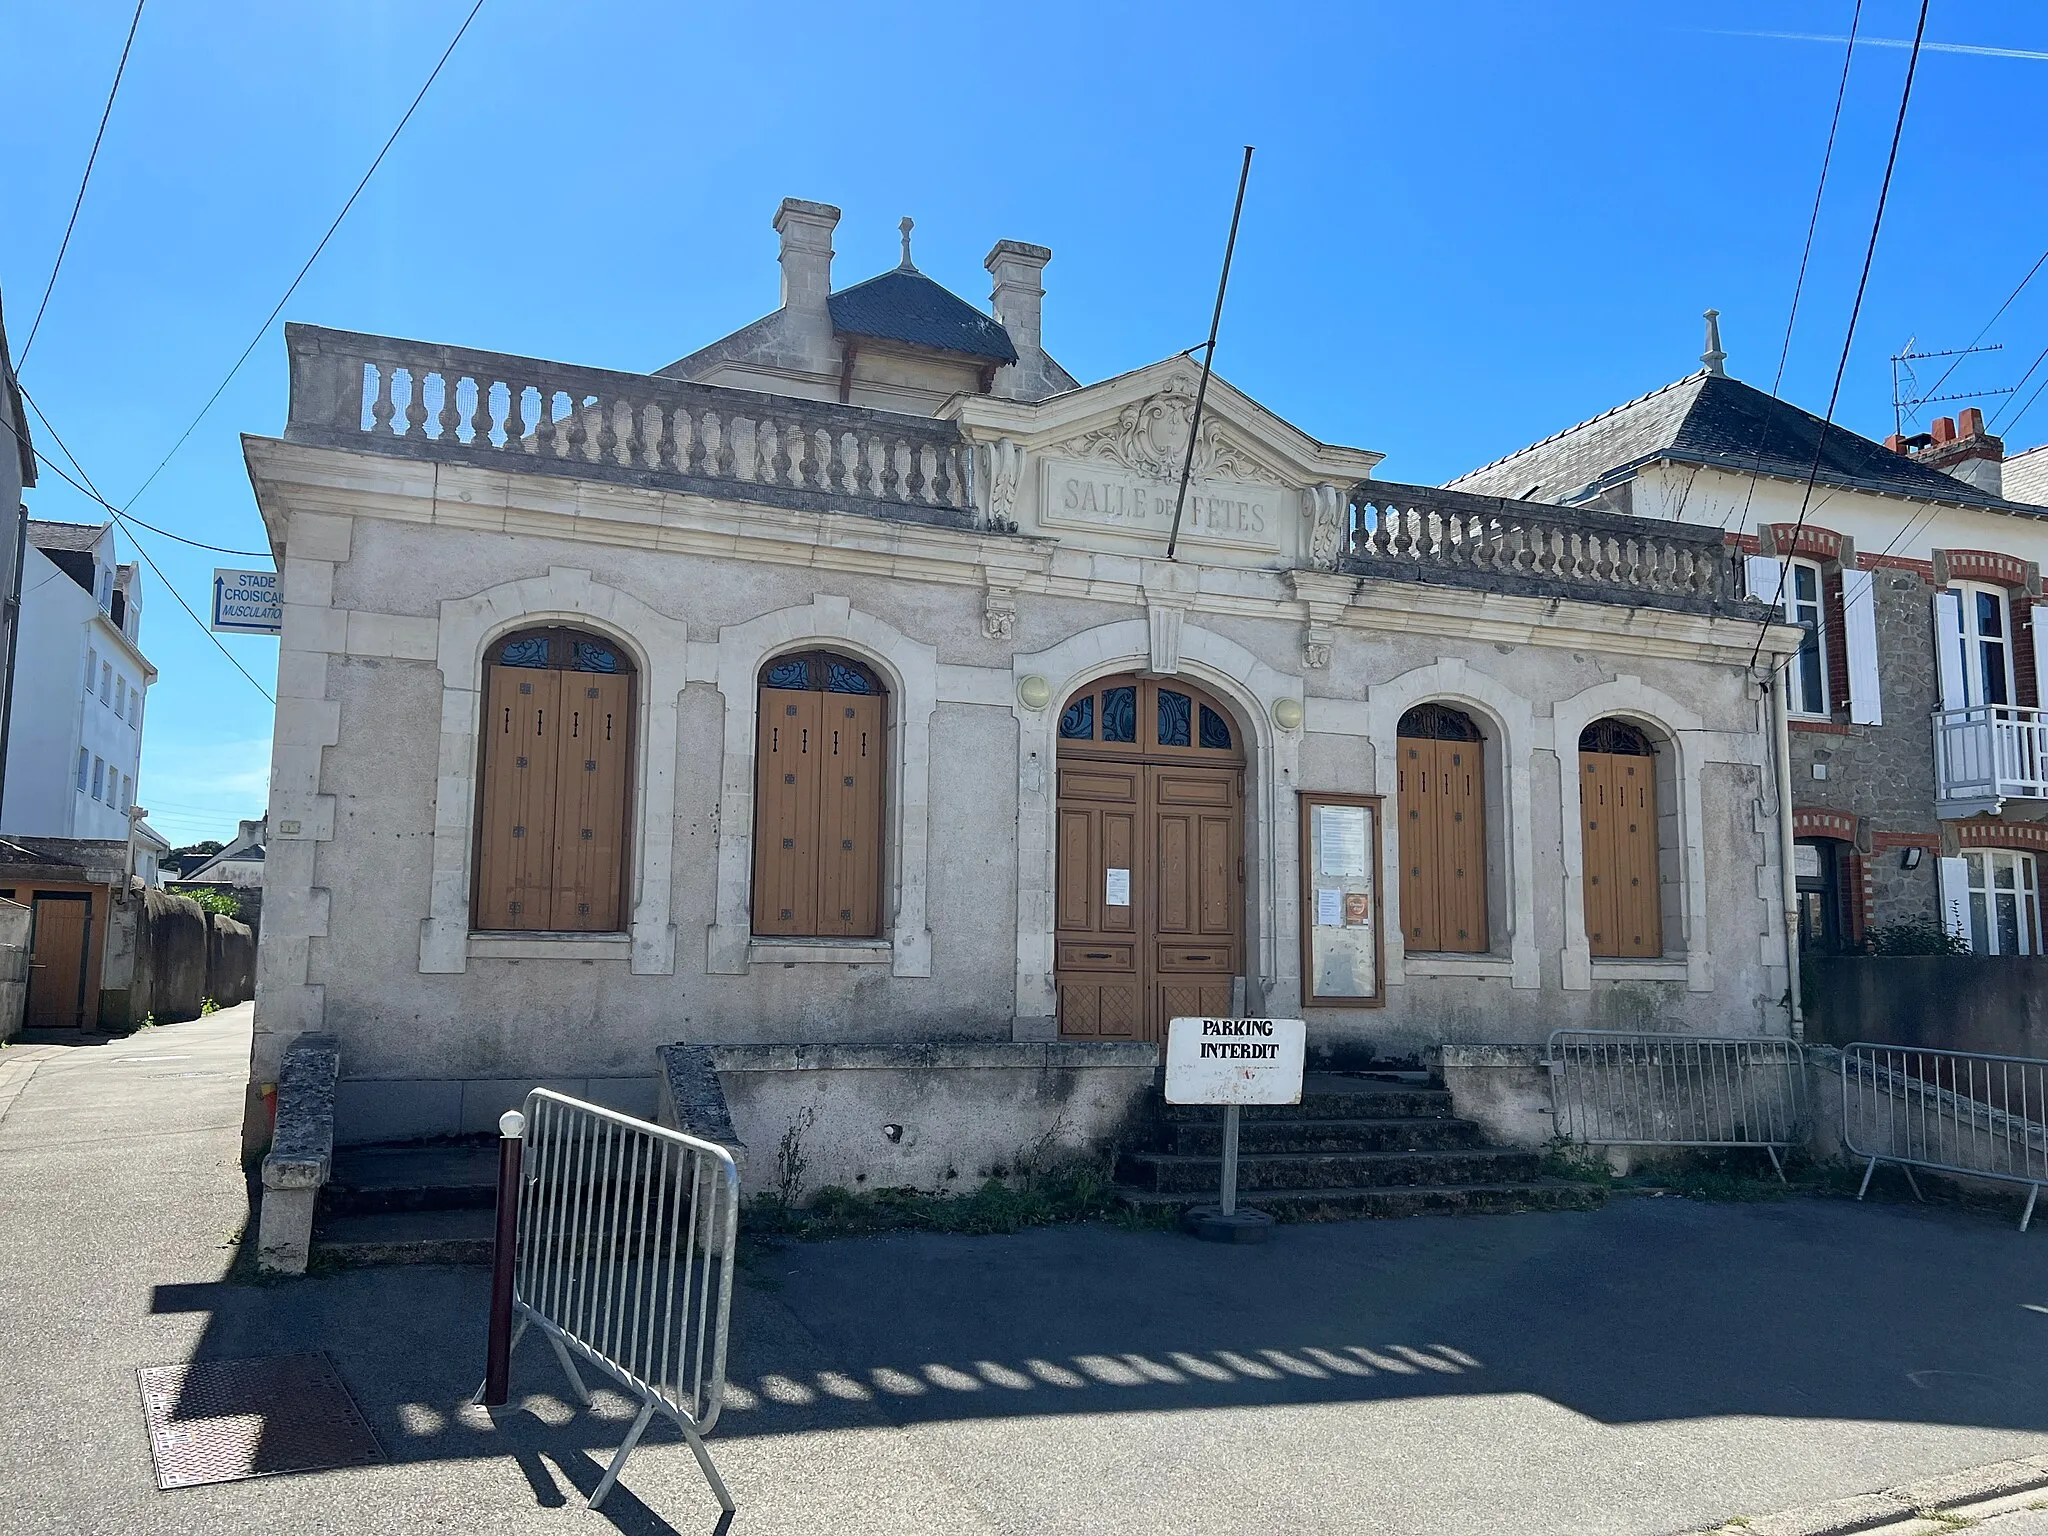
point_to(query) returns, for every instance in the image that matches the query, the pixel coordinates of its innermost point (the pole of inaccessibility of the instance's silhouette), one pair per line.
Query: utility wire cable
(58, 470)
(2039, 358)
(1935, 388)
(1805, 255)
(1849, 336)
(278, 308)
(77, 202)
(169, 585)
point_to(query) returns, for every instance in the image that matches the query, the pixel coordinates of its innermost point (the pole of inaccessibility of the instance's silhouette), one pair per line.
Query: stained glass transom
(1437, 722)
(526, 651)
(820, 672)
(1176, 711)
(1078, 723)
(562, 650)
(1616, 736)
(1215, 731)
(1120, 714)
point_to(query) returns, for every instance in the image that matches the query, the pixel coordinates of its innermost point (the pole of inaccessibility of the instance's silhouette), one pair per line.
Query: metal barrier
(1949, 1112)
(1613, 1088)
(624, 1247)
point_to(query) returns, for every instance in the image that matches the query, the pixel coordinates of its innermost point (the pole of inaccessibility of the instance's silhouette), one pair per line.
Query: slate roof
(2026, 476)
(65, 535)
(1714, 420)
(906, 306)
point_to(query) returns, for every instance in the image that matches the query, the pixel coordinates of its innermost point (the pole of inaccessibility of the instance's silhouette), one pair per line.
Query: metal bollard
(498, 1351)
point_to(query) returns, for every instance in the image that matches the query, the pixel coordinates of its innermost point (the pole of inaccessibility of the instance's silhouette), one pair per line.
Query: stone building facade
(1919, 747)
(1094, 769)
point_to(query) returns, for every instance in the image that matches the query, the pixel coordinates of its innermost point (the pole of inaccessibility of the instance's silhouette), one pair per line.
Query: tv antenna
(1905, 381)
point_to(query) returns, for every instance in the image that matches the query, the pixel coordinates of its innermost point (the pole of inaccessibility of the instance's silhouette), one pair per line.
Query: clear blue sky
(1469, 224)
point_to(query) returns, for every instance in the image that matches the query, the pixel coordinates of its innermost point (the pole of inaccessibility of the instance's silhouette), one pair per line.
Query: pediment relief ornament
(1323, 507)
(1150, 438)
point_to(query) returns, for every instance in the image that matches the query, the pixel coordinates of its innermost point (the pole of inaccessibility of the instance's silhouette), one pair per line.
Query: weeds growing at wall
(1074, 1191)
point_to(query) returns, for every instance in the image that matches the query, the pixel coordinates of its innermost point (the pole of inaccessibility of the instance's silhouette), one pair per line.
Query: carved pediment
(1150, 438)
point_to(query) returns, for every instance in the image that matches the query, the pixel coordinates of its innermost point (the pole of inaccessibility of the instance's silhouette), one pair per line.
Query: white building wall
(58, 712)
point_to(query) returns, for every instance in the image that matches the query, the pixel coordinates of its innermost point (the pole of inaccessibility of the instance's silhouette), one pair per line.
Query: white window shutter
(1859, 641)
(2038, 621)
(1765, 576)
(1948, 649)
(1954, 875)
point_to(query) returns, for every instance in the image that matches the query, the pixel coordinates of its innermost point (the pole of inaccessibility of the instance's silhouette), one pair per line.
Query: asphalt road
(1652, 1368)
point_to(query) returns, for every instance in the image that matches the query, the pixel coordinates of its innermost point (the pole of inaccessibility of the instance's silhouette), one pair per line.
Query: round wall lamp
(1034, 692)
(1287, 714)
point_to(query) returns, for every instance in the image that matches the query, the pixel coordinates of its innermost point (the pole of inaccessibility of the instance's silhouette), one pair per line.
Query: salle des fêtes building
(829, 698)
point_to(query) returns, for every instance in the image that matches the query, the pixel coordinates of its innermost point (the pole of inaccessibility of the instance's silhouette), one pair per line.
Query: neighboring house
(1919, 742)
(17, 471)
(833, 689)
(239, 862)
(81, 685)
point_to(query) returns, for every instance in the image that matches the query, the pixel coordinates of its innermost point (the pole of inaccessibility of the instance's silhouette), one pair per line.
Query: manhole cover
(217, 1421)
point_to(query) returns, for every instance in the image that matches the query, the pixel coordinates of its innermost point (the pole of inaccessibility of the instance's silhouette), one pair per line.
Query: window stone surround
(910, 670)
(659, 646)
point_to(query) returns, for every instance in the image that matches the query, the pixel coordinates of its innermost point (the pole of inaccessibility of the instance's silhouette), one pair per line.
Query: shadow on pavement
(1652, 1310)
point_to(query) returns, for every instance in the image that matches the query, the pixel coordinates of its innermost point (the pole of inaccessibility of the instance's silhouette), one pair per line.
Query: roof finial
(1713, 357)
(908, 265)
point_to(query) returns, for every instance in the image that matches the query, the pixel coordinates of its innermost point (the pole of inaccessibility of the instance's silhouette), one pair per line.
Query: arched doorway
(1149, 917)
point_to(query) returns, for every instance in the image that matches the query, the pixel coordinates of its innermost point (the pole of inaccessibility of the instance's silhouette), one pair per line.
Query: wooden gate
(60, 945)
(1150, 908)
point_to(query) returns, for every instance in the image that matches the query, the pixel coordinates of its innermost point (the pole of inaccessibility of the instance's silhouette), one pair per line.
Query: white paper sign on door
(1118, 888)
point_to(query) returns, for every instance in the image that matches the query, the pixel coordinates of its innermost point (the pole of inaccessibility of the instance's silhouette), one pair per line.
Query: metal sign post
(498, 1345)
(1233, 1062)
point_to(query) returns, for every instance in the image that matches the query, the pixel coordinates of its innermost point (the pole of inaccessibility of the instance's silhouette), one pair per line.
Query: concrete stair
(1354, 1146)
(420, 1204)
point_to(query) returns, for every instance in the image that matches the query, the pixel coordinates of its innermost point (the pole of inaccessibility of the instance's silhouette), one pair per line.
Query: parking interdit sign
(247, 602)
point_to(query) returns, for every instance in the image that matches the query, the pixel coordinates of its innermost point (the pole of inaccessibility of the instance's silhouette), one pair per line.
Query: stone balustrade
(420, 400)
(1426, 534)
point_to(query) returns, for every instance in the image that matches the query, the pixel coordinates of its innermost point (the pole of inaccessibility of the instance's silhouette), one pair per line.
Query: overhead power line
(278, 308)
(79, 201)
(1855, 312)
(169, 585)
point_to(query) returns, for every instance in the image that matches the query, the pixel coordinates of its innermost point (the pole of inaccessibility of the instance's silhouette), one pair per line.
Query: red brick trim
(1819, 821)
(1746, 542)
(1931, 841)
(1861, 891)
(1823, 727)
(2002, 834)
(1987, 566)
(1811, 542)
(1924, 569)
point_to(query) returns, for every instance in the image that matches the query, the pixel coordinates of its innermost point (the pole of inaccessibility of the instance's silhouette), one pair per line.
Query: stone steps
(444, 1176)
(1408, 1200)
(1428, 1133)
(1384, 1144)
(1172, 1173)
(447, 1236)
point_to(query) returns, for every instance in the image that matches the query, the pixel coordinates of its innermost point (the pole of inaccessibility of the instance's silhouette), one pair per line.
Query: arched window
(557, 777)
(818, 788)
(1442, 807)
(1618, 822)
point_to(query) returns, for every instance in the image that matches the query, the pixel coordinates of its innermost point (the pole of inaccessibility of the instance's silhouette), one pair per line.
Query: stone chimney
(1017, 300)
(805, 333)
(1961, 447)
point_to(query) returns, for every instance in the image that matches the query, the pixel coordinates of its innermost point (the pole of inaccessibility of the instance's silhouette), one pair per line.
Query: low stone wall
(230, 960)
(1504, 1089)
(1992, 1003)
(932, 1116)
(301, 1154)
(14, 936)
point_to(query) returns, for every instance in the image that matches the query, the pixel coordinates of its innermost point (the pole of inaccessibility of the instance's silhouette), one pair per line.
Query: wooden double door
(1150, 917)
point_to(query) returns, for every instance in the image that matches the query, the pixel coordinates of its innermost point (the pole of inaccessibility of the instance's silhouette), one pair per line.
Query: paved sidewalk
(1653, 1368)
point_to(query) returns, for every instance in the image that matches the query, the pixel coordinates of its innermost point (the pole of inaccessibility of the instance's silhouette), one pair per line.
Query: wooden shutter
(591, 763)
(1859, 647)
(1618, 811)
(1418, 796)
(849, 839)
(1461, 847)
(516, 837)
(1441, 800)
(786, 812)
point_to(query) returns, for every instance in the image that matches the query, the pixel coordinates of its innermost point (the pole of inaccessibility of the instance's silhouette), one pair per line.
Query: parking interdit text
(1239, 1049)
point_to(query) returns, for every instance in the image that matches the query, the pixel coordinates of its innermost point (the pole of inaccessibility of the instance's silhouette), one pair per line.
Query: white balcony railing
(1990, 752)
